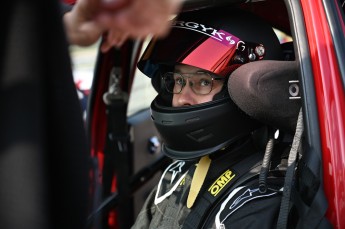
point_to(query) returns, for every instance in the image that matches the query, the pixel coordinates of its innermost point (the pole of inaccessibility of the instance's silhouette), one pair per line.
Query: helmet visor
(201, 46)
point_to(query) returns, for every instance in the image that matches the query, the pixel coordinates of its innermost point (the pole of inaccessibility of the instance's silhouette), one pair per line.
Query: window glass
(142, 92)
(83, 64)
(283, 37)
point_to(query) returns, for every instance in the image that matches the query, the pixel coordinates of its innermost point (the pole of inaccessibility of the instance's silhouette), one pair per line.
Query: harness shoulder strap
(242, 171)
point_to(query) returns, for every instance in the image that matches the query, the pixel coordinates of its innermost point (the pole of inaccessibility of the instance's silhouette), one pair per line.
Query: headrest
(268, 90)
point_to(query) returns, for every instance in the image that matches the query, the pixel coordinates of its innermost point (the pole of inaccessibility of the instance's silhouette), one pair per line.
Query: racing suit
(229, 196)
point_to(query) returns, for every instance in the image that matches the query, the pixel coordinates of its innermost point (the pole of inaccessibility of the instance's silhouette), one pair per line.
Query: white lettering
(201, 28)
(192, 25)
(218, 33)
(231, 41)
(241, 45)
(205, 29)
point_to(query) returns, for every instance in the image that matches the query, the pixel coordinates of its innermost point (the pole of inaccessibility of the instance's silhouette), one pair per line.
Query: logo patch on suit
(229, 206)
(221, 182)
(176, 173)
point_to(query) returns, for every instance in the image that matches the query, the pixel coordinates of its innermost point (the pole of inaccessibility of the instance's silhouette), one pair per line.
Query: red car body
(330, 94)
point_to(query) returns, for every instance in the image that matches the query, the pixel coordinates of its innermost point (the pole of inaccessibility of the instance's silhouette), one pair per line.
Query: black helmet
(217, 40)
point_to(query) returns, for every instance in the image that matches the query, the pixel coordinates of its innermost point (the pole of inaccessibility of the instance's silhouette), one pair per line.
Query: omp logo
(221, 182)
(220, 35)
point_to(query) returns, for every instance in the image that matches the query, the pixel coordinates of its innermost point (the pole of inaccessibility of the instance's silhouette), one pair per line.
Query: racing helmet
(217, 40)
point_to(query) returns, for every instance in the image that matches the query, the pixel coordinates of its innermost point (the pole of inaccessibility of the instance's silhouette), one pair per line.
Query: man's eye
(204, 82)
(179, 81)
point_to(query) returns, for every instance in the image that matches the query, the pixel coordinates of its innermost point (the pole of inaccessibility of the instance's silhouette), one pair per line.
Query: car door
(322, 52)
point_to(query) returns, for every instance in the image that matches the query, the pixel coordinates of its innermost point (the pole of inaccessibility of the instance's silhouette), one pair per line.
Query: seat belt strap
(198, 179)
(206, 201)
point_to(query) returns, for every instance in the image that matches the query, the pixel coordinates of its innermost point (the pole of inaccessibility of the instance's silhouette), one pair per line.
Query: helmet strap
(198, 179)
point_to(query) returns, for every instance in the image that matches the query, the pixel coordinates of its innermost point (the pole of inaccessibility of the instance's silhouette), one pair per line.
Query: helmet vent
(166, 122)
(194, 119)
(200, 135)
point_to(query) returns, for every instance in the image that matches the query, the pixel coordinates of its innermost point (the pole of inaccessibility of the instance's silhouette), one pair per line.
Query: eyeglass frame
(212, 76)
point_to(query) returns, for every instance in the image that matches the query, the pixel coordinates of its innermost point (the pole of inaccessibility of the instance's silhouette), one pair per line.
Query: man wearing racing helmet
(212, 181)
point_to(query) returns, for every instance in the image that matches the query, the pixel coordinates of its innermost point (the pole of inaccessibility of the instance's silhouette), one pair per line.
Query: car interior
(50, 190)
(275, 100)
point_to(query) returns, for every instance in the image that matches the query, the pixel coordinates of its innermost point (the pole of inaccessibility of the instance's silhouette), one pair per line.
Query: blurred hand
(80, 24)
(118, 20)
(136, 20)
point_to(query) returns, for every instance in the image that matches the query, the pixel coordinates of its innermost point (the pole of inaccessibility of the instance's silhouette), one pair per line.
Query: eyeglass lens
(200, 82)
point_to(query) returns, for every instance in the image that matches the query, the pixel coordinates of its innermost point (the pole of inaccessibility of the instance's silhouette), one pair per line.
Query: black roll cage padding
(268, 90)
(137, 181)
(260, 90)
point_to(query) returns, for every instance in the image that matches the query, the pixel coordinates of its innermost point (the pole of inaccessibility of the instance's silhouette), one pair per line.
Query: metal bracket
(114, 91)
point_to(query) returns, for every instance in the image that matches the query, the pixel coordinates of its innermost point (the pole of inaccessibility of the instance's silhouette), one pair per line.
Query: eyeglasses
(200, 82)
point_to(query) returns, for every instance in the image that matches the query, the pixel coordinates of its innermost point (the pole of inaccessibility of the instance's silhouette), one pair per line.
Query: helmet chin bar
(193, 155)
(194, 131)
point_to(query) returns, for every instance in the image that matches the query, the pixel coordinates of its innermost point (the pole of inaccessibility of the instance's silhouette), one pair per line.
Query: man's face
(188, 97)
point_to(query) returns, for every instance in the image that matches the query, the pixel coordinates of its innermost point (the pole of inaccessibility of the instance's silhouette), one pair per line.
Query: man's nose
(186, 96)
(187, 88)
